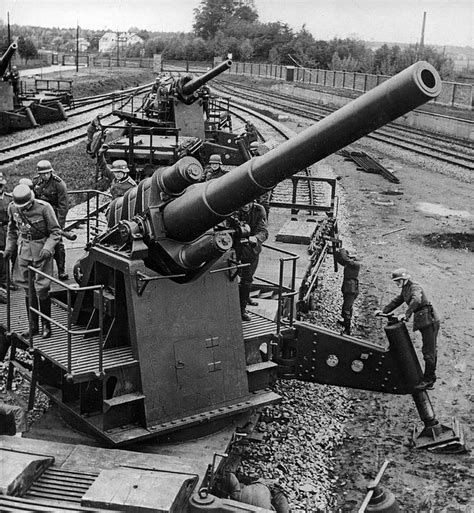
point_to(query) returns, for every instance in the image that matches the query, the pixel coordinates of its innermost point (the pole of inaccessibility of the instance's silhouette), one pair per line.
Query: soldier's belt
(31, 237)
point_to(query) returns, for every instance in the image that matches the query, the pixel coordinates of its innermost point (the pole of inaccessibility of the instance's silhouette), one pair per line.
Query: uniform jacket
(413, 295)
(256, 218)
(5, 200)
(117, 187)
(54, 192)
(210, 174)
(350, 283)
(31, 230)
(93, 127)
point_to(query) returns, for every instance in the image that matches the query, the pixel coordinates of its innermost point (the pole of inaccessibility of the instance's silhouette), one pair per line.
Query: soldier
(425, 320)
(252, 214)
(214, 169)
(51, 188)
(5, 200)
(14, 77)
(94, 126)
(264, 199)
(350, 286)
(117, 174)
(34, 231)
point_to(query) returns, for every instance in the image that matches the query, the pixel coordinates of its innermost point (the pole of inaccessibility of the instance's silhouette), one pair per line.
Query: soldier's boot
(32, 317)
(45, 308)
(60, 257)
(429, 377)
(347, 326)
(244, 293)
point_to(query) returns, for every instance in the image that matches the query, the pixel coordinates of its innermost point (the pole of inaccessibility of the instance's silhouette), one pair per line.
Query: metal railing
(70, 289)
(284, 292)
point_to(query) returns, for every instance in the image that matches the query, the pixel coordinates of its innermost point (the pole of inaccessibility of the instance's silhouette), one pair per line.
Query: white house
(108, 41)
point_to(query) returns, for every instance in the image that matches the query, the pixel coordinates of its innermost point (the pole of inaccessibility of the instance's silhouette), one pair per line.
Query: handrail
(68, 329)
(284, 292)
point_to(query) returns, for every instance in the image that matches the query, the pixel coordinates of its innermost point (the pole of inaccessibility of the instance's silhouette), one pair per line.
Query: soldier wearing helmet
(51, 188)
(5, 200)
(425, 320)
(117, 174)
(214, 169)
(33, 232)
(27, 181)
(350, 285)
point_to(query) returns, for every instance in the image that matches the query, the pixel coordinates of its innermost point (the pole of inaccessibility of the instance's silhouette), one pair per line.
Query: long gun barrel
(193, 85)
(6, 58)
(204, 205)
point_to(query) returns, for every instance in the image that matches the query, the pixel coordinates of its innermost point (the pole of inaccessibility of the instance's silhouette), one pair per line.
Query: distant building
(108, 41)
(83, 44)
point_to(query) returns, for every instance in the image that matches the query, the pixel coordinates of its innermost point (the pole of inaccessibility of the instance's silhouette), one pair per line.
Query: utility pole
(9, 39)
(77, 48)
(422, 39)
(118, 49)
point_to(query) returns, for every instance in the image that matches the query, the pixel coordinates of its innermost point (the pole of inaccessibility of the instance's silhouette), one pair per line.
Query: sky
(447, 22)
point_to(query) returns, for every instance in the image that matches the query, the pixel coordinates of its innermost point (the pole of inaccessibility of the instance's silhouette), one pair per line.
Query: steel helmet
(27, 181)
(400, 274)
(22, 195)
(2, 179)
(44, 166)
(120, 166)
(215, 159)
(254, 145)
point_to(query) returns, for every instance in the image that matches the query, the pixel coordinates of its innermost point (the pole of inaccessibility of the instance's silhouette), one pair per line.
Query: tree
(26, 49)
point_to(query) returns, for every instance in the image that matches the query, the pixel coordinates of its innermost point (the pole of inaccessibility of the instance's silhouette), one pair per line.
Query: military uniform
(249, 253)
(211, 174)
(425, 321)
(94, 126)
(34, 232)
(5, 200)
(117, 187)
(30, 231)
(54, 191)
(350, 286)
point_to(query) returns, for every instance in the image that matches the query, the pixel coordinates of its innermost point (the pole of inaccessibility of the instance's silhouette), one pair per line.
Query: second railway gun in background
(152, 341)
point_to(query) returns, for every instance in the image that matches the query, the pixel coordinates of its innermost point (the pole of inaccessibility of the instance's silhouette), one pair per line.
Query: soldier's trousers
(3, 270)
(347, 304)
(41, 284)
(429, 335)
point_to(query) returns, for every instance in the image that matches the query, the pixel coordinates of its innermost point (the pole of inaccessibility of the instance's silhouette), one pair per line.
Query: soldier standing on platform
(51, 188)
(350, 286)
(33, 232)
(5, 200)
(94, 126)
(248, 252)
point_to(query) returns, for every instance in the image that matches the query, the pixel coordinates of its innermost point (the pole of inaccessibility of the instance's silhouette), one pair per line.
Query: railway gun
(180, 117)
(27, 109)
(151, 343)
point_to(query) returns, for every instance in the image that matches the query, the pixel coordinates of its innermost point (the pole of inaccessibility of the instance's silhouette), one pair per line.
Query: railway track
(70, 134)
(441, 148)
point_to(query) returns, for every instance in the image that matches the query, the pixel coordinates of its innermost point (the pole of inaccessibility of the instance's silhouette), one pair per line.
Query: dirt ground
(434, 216)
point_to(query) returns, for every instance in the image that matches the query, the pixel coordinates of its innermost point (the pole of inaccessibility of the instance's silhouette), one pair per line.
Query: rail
(70, 289)
(284, 292)
(91, 216)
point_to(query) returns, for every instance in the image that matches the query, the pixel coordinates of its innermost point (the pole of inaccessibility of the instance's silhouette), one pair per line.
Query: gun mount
(6, 58)
(182, 107)
(18, 111)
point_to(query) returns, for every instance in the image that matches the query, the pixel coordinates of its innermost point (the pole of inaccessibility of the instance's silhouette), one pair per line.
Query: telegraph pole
(77, 48)
(422, 38)
(118, 50)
